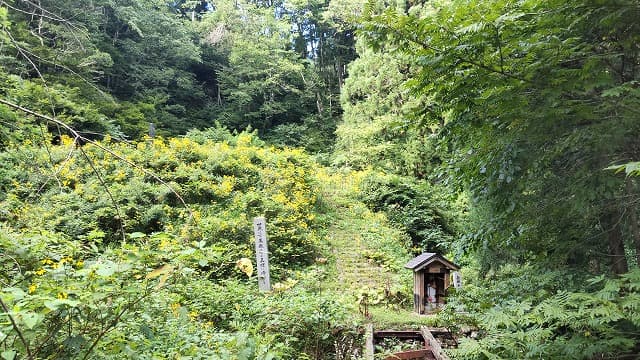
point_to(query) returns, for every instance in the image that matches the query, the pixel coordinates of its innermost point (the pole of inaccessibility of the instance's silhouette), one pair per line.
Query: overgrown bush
(61, 300)
(416, 207)
(527, 313)
(121, 248)
(222, 185)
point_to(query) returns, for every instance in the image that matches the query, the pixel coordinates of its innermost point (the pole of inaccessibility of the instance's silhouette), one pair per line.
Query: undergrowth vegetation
(522, 312)
(420, 209)
(492, 132)
(134, 248)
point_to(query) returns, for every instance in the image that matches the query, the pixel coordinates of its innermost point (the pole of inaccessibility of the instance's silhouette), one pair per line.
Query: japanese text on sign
(262, 253)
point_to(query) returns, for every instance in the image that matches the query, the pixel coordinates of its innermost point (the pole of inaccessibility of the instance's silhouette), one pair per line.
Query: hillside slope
(366, 253)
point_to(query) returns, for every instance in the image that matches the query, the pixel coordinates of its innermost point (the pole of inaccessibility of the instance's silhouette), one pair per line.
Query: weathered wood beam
(368, 347)
(433, 344)
(423, 354)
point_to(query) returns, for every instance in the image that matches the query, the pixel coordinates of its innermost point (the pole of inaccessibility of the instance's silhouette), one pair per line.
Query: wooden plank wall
(418, 292)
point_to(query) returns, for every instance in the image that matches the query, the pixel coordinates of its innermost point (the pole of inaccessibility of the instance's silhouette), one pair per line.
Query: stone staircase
(353, 269)
(354, 272)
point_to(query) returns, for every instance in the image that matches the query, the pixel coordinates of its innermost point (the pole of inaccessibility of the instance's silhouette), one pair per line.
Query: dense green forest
(139, 138)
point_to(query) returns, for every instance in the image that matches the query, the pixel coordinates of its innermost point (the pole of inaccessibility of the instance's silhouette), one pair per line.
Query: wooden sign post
(262, 253)
(457, 280)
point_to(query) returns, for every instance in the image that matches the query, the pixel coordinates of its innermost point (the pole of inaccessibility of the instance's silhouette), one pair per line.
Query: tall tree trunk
(616, 243)
(633, 219)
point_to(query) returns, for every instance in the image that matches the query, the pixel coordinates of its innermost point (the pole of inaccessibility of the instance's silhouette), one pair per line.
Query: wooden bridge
(430, 350)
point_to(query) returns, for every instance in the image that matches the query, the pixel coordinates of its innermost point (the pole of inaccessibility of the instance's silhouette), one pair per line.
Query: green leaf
(31, 319)
(108, 268)
(147, 332)
(472, 28)
(16, 293)
(4, 22)
(96, 235)
(137, 235)
(75, 342)
(8, 354)
(57, 303)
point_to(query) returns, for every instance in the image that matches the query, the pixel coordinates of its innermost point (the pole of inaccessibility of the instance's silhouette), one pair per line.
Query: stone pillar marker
(262, 253)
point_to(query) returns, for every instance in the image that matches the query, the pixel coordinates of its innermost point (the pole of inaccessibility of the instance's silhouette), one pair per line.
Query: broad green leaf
(57, 303)
(31, 319)
(137, 235)
(105, 269)
(8, 354)
(16, 293)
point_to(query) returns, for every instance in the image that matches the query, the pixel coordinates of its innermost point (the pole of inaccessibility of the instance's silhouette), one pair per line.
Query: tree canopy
(537, 99)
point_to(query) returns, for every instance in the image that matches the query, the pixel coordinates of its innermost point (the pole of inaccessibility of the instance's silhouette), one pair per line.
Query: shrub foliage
(131, 248)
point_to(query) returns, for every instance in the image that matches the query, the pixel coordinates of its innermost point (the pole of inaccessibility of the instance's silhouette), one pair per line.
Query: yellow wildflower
(120, 175)
(32, 288)
(174, 308)
(66, 140)
(40, 272)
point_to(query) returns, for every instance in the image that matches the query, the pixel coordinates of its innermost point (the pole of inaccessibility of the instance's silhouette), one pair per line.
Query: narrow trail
(354, 271)
(355, 237)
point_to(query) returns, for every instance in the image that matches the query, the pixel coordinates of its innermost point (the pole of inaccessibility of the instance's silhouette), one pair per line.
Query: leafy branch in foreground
(536, 98)
(70, 304)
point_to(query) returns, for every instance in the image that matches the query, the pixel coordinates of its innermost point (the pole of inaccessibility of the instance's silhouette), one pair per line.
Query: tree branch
(16, 328)
(114, 322)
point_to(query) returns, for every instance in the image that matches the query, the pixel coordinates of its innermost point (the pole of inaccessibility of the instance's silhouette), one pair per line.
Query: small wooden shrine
(430, 270)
